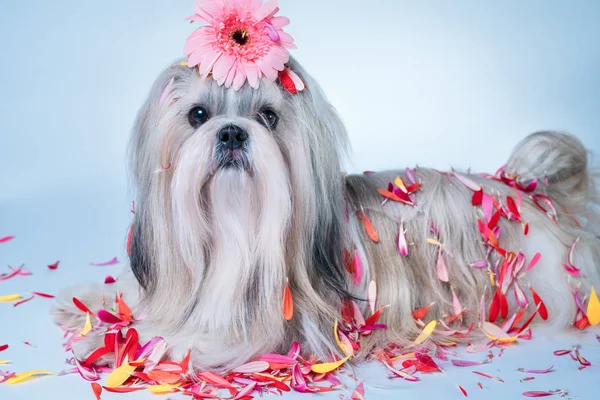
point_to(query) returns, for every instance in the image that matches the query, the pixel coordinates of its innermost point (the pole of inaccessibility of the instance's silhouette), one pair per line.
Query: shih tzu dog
(240, 193)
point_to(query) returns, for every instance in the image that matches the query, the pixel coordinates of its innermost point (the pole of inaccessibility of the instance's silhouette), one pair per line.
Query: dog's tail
(559, 162)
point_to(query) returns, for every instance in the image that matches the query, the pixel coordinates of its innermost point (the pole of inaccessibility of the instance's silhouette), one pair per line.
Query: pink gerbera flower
(243, 40)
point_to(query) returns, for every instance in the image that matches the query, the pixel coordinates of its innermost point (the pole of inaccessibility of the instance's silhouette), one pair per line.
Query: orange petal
(288, 303)
(370, 229)
(97, 390)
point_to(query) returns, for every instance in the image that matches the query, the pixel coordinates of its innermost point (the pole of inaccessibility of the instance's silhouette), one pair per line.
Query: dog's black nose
(232, 136)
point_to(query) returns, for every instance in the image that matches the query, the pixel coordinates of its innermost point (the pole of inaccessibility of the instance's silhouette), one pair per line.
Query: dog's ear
(138, 259)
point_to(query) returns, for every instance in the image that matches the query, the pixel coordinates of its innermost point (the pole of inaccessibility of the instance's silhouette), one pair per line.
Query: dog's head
(236, 191)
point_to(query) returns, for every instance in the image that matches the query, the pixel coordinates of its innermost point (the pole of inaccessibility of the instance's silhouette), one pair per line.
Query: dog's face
(237, 191)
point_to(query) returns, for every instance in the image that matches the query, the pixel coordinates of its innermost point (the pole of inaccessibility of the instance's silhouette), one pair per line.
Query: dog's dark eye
(198, 116)
(268, 118)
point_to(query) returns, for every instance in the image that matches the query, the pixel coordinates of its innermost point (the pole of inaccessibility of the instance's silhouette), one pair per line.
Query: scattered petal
(536, 371)
(288, 303)
(358, 393)
(54, 266)
(441, 268)
(81, 306)
(27, 376)
(372, 295)
(593, 308)
(464, 392)
(533, 262)
(402, 244)
(10, 297)
(88, 325)
(424, 335)
(119, 375)
(18, 303)
(107, 263)
(467, 363)
(6, 239)
(45, 295)
(542, 310)
(419, 314)
(97, 390)
(252, 367)
(328, 367)
(109, 279)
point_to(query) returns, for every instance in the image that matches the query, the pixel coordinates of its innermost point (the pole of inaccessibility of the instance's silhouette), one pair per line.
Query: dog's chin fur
(215, 243)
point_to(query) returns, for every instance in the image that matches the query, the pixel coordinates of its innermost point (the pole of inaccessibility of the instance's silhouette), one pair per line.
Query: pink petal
(266, 10)
(107, 263)
(466, 363)
(280, 22)
(402, 244)
(252, 367)
(240, 77)
(372, 296)
(253, 75)
(296, 79)
(456, 306)
(277, 359)
(228, 80)
(468, 182)
(410, 174)
(487, 205)
(442, 269)
(222, 67)
(206, 66)
(537, 371)
(520, 295)
(479, 264)
(166, 90)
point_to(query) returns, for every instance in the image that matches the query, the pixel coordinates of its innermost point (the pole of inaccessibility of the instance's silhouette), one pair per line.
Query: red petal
(477, 198)
(287, 82)
(3, 347)
(48, 296)
(81, 306)
(542, 307)
(129, 240)
(419, 314)
(54, 266)
(95, 356)
(109, 279)
(512, 206)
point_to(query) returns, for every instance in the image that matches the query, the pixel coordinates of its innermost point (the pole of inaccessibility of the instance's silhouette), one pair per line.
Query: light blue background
(439, 83)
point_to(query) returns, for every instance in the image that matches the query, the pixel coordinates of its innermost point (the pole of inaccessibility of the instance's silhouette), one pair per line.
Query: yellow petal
(328, 367)
(88, 325)
(119, 376)
(163, 389)
(426, 332)
(184, 64)
(27, 375)
(593, 309)
(433, 241)
(400, 184)
(3, 362)
(10, 297)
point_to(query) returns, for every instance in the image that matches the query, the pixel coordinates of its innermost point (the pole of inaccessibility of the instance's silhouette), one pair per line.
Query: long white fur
(222, 242)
